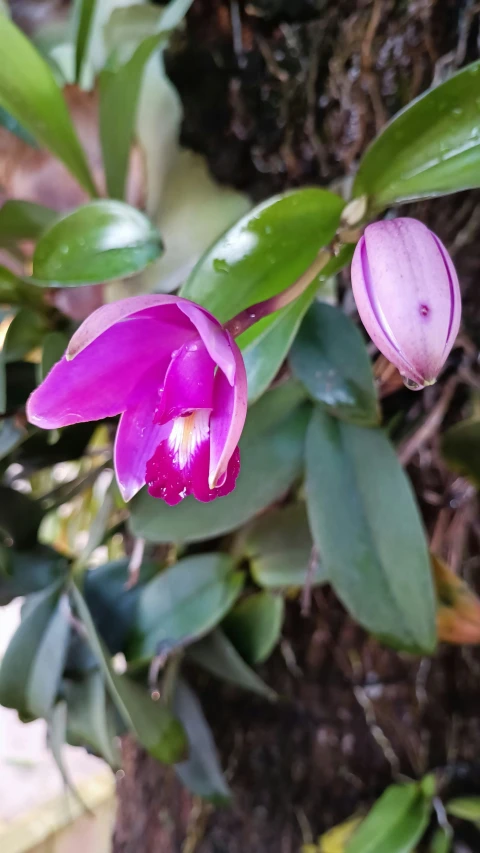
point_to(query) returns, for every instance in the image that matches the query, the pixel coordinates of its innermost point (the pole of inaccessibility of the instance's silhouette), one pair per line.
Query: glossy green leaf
(218, 655)
(460, 447)
(97, 242)
(368, 531)
(267, 343)
(25, 332)
(271, 452)
(152, 723)
(432, 147)
(201, 772)
(396, 822)
(280, 549)
(46, 671)
(120, 87)
(265, 252)
(24, 220)
(254, 625)
(29, 92)
(90, 717)
(31, 571)
(467, 808)
(19, 659)
(330, 358)
(184, 602)
(112, 602)
(54, 346)
(8, 287)
(85, 15)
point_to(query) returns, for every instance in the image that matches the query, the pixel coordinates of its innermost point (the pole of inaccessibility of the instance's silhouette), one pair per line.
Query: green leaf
(368, 531)
(97, 242)
(130, 25)
(396, 822)
(432, 147)
(467, 808)
(29, 92)
(441, 841)
(90, 717)
(460, 447)
(3, 390)
(25, 333)
(31, 571)
(201, 772)
(85, 14)
(265, 252)
(120, 90)
(267, 343)
(11, 434)
(218, 655)
(46, 671)
(271, 451)
(280, 548)
(20, 518)
(24, 220)
(330, 358)
(19, 659)
(151, 722)
(254, 625)
(54, 346)
(112, 603)
(13, 126)
(184, 602)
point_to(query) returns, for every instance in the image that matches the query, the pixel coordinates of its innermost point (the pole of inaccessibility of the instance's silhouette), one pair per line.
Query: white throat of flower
(187, 434)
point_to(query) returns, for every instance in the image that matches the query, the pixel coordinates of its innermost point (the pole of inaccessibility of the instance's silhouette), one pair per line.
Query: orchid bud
(408, 297)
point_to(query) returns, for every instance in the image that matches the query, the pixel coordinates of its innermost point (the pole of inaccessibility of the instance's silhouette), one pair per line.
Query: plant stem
(242, 321)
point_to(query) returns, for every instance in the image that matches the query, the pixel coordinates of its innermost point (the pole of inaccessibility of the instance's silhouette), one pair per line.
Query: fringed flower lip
(177, 379)
(408, 297)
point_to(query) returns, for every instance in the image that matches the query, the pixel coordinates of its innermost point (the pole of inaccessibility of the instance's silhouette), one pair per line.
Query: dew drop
(411, 385)
(424, 310)
(220, 265)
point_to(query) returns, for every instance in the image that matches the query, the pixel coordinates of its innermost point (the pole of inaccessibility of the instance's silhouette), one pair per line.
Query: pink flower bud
(408, 297)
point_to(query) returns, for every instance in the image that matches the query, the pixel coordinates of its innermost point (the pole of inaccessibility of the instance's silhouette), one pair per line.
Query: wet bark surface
(280, 93)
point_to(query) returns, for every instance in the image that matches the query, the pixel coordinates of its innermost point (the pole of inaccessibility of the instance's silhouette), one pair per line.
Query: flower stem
(242, 321)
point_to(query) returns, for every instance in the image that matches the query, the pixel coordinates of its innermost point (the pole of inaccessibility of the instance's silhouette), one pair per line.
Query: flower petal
(137, 435)
(215, 338)
(406, 280)
(188, 382)
(163, 307)
(228, 417)
(179, 466)
(99, 381)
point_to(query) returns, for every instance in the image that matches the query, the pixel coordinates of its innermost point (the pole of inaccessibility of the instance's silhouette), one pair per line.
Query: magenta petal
(215, 338)
(228, 417)
(137, 436)
(156, 306)
(199, 475)
(98, 382)
(188, 382)
(171, 476)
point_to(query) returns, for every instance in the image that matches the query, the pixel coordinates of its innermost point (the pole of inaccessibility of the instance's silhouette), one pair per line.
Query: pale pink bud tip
(408, 297)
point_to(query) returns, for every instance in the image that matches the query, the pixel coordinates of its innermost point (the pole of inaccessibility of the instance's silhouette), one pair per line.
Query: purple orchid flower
(408, 297)
(178, 380)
